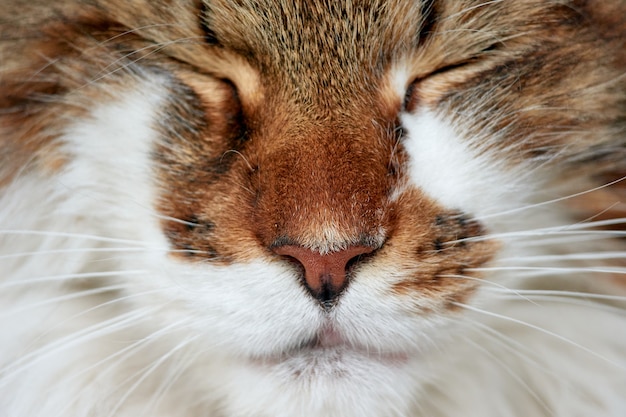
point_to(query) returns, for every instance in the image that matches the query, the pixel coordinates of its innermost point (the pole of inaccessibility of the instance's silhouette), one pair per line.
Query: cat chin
(322, 377)
(324, 381)
(330, 362)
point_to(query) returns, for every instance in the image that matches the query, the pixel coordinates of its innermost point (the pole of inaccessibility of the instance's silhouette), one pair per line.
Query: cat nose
(325, 275)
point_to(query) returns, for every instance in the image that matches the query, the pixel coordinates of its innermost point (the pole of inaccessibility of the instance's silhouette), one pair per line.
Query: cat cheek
(456, 170)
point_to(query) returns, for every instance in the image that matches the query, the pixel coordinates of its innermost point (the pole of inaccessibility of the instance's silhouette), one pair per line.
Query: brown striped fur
(281, 125)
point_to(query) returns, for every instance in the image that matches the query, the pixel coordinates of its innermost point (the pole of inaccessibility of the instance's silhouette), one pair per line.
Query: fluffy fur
(159, 159)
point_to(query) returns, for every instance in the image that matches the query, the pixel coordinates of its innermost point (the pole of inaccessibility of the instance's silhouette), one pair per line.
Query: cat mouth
(330, 346)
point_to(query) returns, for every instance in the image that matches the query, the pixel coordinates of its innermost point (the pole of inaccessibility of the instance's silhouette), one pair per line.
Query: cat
(263, 208)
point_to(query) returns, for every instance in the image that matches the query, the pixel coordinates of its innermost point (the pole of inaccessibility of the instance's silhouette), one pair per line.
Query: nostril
(325, 275)
(355, 260)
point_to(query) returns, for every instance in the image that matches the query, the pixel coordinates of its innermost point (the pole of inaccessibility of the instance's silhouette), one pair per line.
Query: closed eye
(411, 98)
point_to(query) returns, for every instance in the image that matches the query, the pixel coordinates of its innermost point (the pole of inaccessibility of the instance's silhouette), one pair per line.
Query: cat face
(321, 185)
(374, 138)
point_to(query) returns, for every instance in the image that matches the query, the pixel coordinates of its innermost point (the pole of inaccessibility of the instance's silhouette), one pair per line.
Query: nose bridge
(326, 188)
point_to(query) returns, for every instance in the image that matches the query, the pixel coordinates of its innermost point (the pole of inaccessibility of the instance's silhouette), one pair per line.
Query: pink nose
(325, 274)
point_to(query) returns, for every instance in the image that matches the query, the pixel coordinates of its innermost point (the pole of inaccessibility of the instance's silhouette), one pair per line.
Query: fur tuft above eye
(223, 110)
(210, 37)
(233, 112)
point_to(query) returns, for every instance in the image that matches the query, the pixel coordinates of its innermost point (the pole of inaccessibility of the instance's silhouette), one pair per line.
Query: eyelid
(233, 88)
(233, 110)
(411, 98)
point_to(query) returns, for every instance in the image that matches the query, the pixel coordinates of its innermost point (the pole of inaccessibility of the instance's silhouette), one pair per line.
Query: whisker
(616, 270)
(168, 381)
(541, 330)
(487, 282)
(64, 298)
(155, 49)
(86, 334)
(73, 250)
(562, 240)
(146, 372)
(236, 152)
(548, 202)
(525, 385)
(125, 352)
(107, 304)
(469, 9)
(567, 257)
(596, 223)
(70, 277)
(589, 220)
(577, 294)
(511, 345)
(138, 29)
(121, 355)
(541, 233)
(52, 61)
(69, 235)
(551, 299)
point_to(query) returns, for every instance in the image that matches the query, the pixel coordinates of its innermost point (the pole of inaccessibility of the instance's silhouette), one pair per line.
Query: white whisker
(174, 374)
(487, 283)
(511, 345)
(474, 7)
(548, 202)
(552, 299)
(123, 353)
(105, 304)
(69, 235)
(561, 231)
(64, 298)
(507, 368)
(555, 241)
(541, 330)
(71, 277)
(586, 295)
(154, 49)
(77, 250)
(616, 270)
(566, 257)
(81, 336)
(146, 372)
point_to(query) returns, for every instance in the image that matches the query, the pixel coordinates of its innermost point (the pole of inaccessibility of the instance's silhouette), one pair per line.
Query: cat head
(340, 137)
(327, 178)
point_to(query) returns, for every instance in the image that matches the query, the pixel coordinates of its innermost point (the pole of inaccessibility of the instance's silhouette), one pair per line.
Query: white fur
(199, 340)
(455, 172)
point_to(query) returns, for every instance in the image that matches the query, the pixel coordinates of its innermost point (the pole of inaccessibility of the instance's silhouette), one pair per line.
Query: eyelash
(409, 102)
(410, 97)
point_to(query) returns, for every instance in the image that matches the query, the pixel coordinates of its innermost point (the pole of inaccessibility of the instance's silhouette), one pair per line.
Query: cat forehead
(322, 51)
(316, 46)
(327, 31)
